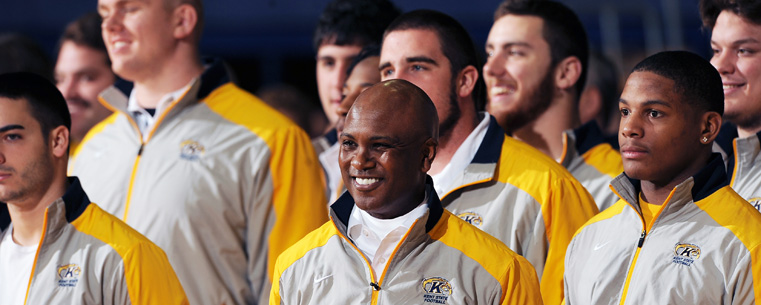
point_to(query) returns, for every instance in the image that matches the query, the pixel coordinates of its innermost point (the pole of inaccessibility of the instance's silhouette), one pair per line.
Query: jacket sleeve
(150, 278)
(568, 207)
(521, 285)
(298, 199)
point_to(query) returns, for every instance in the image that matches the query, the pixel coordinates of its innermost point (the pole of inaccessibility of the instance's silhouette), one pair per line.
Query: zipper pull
(140, 150)
(375, 286)
(641, 239)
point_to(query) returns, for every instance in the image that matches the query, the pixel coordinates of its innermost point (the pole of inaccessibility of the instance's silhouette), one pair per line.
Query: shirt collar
(382, 227)
(461, 159)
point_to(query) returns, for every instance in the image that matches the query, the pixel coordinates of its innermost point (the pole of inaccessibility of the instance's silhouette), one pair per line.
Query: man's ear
(429, 153)
(710, 124)
(567, 72)
(59, 141)
(185, 19)
(466, 81)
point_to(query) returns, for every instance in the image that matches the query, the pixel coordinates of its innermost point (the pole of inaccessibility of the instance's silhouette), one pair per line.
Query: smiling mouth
(366, 181)
(727, 87)
(501, 91)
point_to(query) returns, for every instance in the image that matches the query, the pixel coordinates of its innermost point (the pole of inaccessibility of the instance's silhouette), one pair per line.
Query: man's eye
(654, 113)
(624, 112)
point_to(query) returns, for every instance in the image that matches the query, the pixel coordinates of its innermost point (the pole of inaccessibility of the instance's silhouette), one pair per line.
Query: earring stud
(705, 140)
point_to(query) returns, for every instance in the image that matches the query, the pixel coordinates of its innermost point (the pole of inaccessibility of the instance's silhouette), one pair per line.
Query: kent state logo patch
(68, 275)
(756, 203)
(436, 290)
(685, 254)
(191, 150)
(472, 218)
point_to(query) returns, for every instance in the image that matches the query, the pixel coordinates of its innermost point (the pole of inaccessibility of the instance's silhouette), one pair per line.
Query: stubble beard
(537, 101)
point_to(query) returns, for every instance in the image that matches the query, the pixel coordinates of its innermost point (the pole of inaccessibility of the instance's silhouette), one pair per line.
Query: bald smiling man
(389, 241)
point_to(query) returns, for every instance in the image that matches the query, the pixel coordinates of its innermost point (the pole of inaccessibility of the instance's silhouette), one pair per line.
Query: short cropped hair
(46, 103)
(695, 79)
(562, 30)
(456, 43)
(354, 22)
(86, 31)
(749, 10)
(367, 51)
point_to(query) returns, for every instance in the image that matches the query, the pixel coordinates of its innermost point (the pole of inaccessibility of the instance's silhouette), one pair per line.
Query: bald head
(400, 102)
(387, 145)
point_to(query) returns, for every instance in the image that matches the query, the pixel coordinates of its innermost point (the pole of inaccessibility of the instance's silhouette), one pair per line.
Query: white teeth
(366, 181)
(731, 86)
(119, 44)
(501, 90)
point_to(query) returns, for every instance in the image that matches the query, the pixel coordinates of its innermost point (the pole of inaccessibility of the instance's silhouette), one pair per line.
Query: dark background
(269, 41)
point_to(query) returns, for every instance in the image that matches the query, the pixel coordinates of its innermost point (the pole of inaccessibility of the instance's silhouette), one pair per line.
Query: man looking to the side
(56, 246)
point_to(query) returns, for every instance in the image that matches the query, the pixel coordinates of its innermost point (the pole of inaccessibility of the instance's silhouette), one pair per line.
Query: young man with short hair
(389, 240)
(736, 42)
(210, 173)
(679, 233)
(56, 246)
(344, 28)
(499, 184)
(82, 71)
(535, 74)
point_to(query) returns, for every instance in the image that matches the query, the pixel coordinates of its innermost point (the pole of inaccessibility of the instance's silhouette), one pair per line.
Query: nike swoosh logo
(600, 246)
(317, 280)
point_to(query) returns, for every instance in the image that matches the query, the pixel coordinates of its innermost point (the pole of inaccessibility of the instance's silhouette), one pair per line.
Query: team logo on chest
(685, 254)
(191, 150)
(68, 275)
(756, 203)
(436, 290)
(471, 218)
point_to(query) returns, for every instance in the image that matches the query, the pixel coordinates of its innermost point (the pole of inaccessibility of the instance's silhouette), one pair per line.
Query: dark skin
(387, 145)
(661, 135)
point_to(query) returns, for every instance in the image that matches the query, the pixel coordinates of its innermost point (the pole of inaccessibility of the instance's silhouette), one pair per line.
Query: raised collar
(701, 185)
(341, 209)
(61, 211)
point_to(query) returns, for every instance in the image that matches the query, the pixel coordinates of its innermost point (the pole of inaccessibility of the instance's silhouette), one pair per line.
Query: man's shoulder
(243, 108)
(517, 155)
(110, 230)
(318, 238)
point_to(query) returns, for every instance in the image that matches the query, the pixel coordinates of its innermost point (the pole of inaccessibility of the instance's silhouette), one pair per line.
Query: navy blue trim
(435, 210)
(214, 76)
(332, 136)
(124, 86)
(709, 179)
(343, 206)
(491, 147)
(75, 199)
(588, 136)
(5, 217)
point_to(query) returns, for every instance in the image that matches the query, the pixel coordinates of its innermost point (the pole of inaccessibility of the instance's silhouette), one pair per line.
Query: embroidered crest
(756, 203)
(68, 275)
(437, 290)
(472, 218)
(191, 150)
(685, 254)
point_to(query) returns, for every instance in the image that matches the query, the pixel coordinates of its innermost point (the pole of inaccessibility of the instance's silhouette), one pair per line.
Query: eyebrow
(11, 127)
(648, 103)
(509, 45)
(412, 59)
(739, 42)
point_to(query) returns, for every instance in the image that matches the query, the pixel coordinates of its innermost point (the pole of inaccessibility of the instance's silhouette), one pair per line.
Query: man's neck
(173, 76)
(545, 133)
(657, 192)
(28, 215)
(747, 132)
(448, 144)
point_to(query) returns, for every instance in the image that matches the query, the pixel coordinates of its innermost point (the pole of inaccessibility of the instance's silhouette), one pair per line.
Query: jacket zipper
(36, 255)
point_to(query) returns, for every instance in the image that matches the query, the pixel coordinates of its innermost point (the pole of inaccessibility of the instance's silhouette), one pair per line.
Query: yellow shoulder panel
(313, 240)
(608, 213)
(298, 199)
(605, 159)
(149, 276)
(518, 278)
(733, 212)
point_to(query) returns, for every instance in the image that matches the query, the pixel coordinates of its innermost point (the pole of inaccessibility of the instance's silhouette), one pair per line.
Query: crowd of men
(144, 175)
